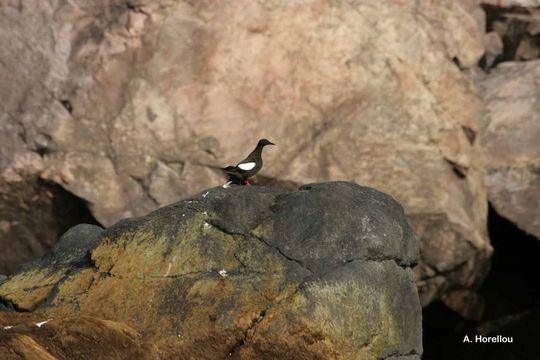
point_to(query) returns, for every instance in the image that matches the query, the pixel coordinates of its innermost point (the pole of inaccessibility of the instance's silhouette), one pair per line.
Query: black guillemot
(247, 167)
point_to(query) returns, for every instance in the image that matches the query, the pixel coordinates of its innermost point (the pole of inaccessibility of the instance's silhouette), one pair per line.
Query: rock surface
(510, 138)
(32, 215)
(518, 28)
(243, 272)
(133, 105)
(512, 3)
(69, 338)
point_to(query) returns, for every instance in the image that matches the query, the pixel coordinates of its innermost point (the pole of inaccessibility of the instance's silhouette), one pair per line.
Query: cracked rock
(134, 105)
(321, 272)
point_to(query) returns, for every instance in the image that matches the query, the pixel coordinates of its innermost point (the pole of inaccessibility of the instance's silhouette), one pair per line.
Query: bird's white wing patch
(247, 166)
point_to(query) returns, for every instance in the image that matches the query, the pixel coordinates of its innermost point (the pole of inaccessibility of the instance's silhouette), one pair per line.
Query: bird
(247, 167)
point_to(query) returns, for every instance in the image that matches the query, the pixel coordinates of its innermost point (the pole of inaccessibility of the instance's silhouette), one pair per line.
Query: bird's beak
(271, 143)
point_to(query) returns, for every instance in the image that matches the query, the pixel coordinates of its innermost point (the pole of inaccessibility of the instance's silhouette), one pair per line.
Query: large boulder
(130, 105)
(511, 141)
(244, 272)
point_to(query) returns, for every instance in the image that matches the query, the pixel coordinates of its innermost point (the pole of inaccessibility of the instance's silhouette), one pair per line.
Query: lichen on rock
(244, 272)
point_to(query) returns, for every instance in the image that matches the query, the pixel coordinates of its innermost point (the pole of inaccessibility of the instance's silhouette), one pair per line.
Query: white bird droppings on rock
(227, 185)
(204, 195)
(206, 226)
(223, 273)
(8, 327)
(40, 324)
(168, 270)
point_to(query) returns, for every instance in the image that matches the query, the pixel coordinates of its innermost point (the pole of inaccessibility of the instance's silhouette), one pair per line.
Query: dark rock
(243, 272)
(33, 215)
(517, 30)
(327, 225)
(519, 327)
(72, 249)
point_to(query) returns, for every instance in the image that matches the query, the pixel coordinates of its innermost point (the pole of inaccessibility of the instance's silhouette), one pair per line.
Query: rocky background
(111, 109)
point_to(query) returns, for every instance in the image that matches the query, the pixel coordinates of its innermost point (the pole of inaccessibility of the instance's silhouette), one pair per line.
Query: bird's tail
(229, 169)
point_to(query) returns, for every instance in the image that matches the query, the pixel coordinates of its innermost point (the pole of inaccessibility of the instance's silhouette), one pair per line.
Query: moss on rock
(223, 275)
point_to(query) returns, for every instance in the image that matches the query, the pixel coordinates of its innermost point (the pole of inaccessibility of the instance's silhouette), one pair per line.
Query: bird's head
(264, 142)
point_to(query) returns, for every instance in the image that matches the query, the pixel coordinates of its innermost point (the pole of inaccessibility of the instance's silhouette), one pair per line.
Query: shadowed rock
(244, 272)
(72, 250)
(511, 145)
(42, 276)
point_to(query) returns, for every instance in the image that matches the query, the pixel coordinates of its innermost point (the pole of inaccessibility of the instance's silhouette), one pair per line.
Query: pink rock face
(511, 142)
(137, 106)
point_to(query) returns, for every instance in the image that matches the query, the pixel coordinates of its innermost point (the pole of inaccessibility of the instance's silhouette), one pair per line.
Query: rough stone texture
(71, 252)
(519, 30)
(473, 8)
(221, 276)
(510, 139)
(72, 249)
(494, 47)
(133, 105)
(33, 215)
(510, 3)
(70, 338)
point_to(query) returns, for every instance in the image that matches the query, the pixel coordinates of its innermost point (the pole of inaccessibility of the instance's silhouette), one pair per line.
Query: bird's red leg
(247, 183)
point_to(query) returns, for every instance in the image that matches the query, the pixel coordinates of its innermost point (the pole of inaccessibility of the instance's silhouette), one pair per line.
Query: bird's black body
(234, 174)
(249, 166)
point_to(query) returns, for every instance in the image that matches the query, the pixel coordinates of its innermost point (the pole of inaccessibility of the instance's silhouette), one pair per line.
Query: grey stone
(330, 224)
(72, 249)
(244, 272)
